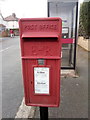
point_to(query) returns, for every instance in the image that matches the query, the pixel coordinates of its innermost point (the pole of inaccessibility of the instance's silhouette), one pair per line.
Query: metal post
(43, 113)
(75, 44)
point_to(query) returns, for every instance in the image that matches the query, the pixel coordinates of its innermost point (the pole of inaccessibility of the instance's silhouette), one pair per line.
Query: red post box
(41, 55)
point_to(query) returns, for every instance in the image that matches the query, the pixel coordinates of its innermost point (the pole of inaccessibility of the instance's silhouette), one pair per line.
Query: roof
(1, 15)
(11, 18)
(1, 25)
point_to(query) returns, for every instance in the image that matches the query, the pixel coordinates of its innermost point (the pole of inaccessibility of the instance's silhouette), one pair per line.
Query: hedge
(84, 24)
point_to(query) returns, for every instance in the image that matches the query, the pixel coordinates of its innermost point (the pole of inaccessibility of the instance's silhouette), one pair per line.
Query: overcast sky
(24, 8)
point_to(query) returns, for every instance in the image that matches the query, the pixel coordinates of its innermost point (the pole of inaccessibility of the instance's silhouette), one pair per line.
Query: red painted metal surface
(68, 40)
(41, 39)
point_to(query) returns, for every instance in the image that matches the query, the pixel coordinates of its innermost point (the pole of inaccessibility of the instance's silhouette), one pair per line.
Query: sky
(24, 8)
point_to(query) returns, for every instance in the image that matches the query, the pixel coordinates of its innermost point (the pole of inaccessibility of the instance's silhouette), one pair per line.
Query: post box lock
(41, 62)
(40, 40)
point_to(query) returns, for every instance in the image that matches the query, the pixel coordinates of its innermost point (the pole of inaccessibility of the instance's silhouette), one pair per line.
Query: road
(12, 85)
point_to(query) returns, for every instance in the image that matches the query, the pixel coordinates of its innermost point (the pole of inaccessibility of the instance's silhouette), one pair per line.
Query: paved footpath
(74, 92)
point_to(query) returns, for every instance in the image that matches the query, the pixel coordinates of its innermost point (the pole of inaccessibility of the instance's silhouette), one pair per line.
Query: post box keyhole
(41, 61)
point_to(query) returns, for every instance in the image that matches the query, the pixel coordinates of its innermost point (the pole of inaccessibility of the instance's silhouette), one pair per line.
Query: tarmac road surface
(12, 85)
